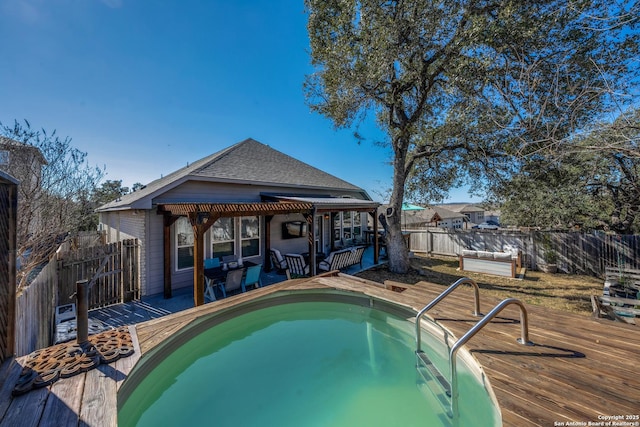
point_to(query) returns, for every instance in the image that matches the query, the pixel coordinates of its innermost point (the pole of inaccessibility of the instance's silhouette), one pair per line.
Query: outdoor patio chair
(209, 291)
(278, 260)
(296, 266)
(233, 282)
(252, 278)
(212, 262)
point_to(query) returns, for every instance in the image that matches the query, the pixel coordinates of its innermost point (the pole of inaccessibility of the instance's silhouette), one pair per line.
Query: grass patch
(566, 292)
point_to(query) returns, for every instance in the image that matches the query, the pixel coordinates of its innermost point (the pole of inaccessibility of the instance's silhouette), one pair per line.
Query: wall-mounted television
(294, 229)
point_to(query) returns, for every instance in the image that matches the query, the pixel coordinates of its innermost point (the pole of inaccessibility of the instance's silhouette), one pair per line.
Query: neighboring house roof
(430, 215)
(426, 216)
(463, 207)
(419, 218)
(445, 213)
(247, 162)
(12, 145)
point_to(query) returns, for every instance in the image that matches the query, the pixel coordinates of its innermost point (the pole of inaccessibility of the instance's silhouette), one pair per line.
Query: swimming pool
(310, 361)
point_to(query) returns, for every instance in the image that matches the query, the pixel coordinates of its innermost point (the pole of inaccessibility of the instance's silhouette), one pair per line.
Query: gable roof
(247, 162)
(447, 213)
(463, 207)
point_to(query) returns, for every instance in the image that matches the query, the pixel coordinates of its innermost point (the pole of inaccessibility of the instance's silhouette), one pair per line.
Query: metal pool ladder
(428, 370)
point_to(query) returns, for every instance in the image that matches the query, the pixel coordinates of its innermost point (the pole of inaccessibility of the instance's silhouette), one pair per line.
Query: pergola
(203, 215)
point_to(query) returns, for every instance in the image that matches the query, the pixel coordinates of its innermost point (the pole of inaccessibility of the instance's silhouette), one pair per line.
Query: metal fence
(584, 253)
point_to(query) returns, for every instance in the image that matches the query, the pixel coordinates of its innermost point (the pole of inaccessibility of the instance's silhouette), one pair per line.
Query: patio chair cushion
(342, 258)
(278, 260)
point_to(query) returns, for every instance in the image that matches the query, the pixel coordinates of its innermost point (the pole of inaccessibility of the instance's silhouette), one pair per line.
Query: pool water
(300, 364)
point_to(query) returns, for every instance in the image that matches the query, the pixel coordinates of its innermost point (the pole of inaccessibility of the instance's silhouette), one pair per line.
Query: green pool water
(300, 364)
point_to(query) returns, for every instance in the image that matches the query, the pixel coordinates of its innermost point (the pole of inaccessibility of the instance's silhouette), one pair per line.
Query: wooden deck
(579, 370)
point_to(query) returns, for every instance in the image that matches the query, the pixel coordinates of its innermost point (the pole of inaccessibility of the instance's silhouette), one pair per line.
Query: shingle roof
(463, 207)
(248, 161)
(251, 160)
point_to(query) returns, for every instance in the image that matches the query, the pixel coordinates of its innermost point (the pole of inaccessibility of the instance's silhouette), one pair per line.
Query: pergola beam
(201, 217)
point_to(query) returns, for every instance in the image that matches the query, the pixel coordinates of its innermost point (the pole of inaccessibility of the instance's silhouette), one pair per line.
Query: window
(357, 229)
(184, 243)
(4, 157)
(250, 235)
(347, 225)
(223, 238)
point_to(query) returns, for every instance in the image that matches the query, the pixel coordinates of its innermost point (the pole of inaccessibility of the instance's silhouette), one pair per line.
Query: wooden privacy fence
(585, 253)
(8, 214)
(111, 269)
(35, 309)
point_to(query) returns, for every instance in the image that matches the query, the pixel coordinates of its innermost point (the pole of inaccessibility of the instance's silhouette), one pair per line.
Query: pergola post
(267, 243)
(168, 220)
(311, 233)
(200, 222)
(376, 244)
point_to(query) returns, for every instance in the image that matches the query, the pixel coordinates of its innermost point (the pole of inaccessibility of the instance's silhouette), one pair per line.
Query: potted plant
(549, 255)
(551, 261)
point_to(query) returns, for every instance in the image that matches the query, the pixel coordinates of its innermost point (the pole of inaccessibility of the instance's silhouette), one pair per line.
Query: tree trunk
(396, 248)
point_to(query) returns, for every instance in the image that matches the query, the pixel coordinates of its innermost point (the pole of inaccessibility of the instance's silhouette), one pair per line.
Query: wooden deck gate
(112, 270)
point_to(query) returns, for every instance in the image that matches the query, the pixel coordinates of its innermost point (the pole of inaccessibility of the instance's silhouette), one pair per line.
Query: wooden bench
(618, 309)
(624, 277)
(498, 263)
(619, 296)
(343, 258)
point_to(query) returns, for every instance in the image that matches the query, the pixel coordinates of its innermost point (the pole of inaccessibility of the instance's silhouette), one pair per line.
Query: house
(475, 214)
(449, 219)
(492, 215)
(243, 201)
(22, 161)
(417, 218)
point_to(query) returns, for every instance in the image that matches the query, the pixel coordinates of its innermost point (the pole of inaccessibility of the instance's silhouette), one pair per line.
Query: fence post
(82, 303)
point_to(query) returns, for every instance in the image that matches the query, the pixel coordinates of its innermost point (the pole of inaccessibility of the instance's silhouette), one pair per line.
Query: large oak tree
(460, 87)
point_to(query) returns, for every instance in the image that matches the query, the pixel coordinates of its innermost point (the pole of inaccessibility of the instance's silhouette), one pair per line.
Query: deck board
(579, 368)
(99, 405)
(63, 405)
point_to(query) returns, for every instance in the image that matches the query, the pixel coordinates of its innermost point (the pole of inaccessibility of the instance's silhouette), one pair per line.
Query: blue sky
(145, 87)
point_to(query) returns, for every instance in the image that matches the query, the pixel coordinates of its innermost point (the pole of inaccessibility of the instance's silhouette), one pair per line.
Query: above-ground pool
(297, 364)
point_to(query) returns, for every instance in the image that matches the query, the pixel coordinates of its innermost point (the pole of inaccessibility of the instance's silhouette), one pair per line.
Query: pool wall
(435, 332)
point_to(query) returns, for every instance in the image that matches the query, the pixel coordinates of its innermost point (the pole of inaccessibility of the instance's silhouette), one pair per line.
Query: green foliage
(592, 183)
(108, 191)
(461, 87)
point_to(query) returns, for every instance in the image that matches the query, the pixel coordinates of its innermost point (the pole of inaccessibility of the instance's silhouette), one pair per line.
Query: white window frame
(355, 223)
(232, 240)
(245, 239)
(183, 221)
